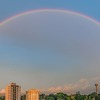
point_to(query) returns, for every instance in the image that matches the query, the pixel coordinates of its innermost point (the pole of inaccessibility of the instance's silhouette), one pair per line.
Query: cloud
(2, 92)
(84, 85)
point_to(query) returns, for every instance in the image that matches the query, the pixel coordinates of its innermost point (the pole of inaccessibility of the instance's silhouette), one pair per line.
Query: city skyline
(13, 92)
(12, 87)
(50, 47)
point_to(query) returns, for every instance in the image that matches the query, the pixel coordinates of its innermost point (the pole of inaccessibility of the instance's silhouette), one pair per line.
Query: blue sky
(49, 50)
(88, 7)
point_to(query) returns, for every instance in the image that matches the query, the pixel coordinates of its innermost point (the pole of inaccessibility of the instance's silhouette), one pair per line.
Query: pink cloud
(2, 92)
(83, 85)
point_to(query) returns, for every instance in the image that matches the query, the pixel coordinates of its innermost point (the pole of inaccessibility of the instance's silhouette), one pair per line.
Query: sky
(50, 48)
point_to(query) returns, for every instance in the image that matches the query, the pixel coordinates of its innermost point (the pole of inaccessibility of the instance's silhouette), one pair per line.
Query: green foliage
(23, 97)
(42, 97)
(50, 97)
(61, 96)
(78, 96)
(2, 98)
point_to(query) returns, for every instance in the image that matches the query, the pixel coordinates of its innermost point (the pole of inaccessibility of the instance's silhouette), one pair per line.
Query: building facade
(32, 94)
(13, 92)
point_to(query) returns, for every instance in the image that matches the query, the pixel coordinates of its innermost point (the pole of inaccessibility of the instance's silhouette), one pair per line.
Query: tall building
(32, 94)
(13, 92)
(96, 85)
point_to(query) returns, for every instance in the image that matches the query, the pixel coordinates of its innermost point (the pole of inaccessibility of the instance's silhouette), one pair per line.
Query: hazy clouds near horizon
(46, 49)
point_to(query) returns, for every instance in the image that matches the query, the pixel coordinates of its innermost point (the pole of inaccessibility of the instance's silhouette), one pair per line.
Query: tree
(51, 97)
(23, 97)
(42, 97)
(2, 98)
(61, 96)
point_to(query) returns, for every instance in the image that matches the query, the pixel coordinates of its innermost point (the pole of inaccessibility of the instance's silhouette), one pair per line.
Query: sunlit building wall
(13, 92)
(32, 94)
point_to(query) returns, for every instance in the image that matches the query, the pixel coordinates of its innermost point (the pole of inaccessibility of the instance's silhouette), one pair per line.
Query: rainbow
(49, 10)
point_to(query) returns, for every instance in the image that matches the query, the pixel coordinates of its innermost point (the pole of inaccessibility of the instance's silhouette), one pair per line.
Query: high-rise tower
(13, 92)
(32, 94)
(96, 85)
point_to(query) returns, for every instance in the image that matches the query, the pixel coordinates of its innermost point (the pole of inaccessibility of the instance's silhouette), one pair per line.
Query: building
(32, 94)
(13, 92)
